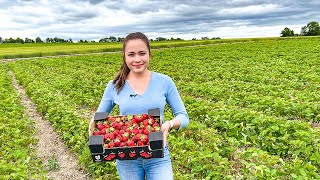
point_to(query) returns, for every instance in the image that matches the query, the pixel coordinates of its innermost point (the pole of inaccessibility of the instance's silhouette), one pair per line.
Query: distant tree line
(311, 29)
(103, 40)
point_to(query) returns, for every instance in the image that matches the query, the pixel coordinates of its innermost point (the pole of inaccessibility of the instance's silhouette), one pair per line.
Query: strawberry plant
(253, 107)
(17, 154)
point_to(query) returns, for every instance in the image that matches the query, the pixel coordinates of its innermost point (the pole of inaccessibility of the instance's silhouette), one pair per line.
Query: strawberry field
(254, 107)
(17, 158)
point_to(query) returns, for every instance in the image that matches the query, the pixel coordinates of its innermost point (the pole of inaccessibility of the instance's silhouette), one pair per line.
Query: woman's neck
(136, 76)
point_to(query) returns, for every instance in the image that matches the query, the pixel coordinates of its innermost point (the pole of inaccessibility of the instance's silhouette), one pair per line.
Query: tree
(0, 39)
(28, 40)
(120, 39)
(304, 31)
(286, 32)
(38, 40)
(113, 39)
(313, 28)
(49, 40)
(161, 39)
(10, 40)
(19, 40)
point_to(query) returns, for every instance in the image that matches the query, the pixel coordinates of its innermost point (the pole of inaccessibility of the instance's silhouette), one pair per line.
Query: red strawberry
(133, 121)
(121, 132)
(116, 125)
(143, 138)
(130, 143)
(143, 153)
(140, 143)
(121, 154)
(146, 132)
(106, 137)
(122, 144)
(132, 154)
(100, 126)
(145, 116)
(106, 125)
(156, 125)
(95, 133)
(145, 122)
(124, 139)
(151, 121)
(135, 131)
(116, 132)
(138, 118)
(103, 131)
(111, 145)
(147, 155)
(111, 119)
(117, 142)
(128, 131)
(134, 139)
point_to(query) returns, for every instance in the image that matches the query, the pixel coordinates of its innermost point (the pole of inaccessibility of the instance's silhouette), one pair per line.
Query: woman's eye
(130, 55)
(142, 53)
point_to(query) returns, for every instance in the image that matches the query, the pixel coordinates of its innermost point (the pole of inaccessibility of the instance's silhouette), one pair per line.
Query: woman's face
(137, 55)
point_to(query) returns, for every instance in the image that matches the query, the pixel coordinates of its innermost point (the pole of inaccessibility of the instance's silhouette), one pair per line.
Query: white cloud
(250, 10)
(95, 19)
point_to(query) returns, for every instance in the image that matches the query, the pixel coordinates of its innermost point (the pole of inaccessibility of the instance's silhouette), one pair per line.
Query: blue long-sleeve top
(161, 90)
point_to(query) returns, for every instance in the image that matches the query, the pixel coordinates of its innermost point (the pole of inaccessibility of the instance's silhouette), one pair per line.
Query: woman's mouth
(138, 65)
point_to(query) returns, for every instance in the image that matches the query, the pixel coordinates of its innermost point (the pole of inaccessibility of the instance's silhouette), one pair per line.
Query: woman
(135, 89)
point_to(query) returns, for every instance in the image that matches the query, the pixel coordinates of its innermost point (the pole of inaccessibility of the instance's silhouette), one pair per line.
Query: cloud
(95, 19)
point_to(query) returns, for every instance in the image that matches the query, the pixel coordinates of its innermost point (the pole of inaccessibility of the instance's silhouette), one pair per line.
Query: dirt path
(50, 145)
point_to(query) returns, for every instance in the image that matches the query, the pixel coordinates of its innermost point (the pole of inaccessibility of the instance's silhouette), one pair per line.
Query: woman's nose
(137, 58)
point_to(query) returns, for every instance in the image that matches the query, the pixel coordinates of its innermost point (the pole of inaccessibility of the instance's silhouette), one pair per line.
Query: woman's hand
(165, 128)
(91, 126)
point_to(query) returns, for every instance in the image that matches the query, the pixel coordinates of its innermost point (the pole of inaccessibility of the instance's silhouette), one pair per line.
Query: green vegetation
(17, 157)
(9, 51)
(311, 29)
(251, 105)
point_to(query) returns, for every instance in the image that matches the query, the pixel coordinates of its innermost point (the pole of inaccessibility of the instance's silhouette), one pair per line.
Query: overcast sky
(96, 19)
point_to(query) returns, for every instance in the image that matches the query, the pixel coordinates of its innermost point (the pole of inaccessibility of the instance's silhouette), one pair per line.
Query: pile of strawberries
(127, 131)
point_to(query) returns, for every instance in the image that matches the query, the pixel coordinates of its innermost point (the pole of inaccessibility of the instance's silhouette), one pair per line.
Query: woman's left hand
(165, 128)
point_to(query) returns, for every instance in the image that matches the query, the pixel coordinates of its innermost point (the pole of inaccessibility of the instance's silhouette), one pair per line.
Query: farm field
(9, 51)
(254, 107)
(17, 158)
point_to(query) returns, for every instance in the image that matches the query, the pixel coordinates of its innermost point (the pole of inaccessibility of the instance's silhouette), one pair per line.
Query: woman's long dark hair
(121, 77)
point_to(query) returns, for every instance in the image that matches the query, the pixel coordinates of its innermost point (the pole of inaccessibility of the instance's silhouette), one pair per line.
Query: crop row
(8, 51)
(239, 105)
(17, 138)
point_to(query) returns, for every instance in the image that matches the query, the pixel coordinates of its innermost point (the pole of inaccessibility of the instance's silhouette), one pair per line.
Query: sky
(97, 19)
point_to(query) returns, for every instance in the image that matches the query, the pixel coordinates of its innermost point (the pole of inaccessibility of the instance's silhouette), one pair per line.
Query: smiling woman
(136, 89)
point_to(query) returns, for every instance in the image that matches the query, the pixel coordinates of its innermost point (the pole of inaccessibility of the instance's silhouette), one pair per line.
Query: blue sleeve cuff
(184, 120)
